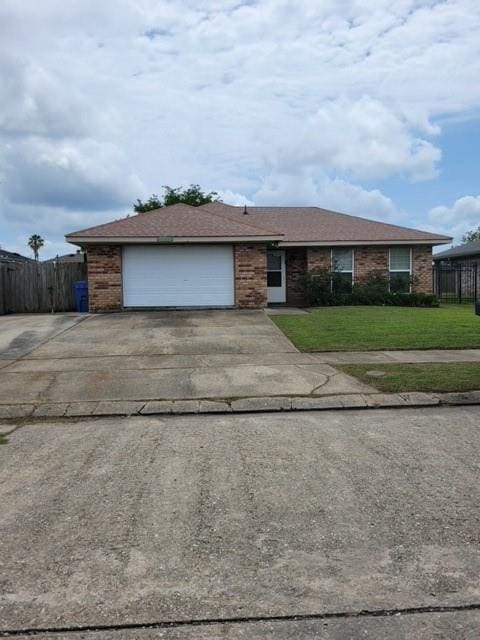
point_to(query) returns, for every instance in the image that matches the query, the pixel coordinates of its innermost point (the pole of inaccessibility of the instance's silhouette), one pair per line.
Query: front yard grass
(382, 328)
(418, 377)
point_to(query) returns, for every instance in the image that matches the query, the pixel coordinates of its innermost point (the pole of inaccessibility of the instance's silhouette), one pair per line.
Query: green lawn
(380, 328)
(419, 377)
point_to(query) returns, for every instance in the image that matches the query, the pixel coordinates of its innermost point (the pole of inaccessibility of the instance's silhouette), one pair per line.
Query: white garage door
(178, 276)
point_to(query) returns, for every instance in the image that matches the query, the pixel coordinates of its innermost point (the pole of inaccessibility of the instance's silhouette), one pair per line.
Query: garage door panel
(178, 276)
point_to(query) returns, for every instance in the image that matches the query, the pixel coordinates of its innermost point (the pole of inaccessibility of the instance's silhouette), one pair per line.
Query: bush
(372, 290)
(317, 287)
(323, 287)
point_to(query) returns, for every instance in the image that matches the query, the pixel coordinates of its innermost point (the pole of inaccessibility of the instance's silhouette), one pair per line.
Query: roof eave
(455, 256)
(356, 243)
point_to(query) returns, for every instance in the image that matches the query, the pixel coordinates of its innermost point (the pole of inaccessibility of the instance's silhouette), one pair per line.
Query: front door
(276, 291)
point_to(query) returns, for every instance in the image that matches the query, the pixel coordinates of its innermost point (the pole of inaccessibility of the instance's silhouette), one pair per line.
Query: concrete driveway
(155, 356)
(112, 524)
(20, 334)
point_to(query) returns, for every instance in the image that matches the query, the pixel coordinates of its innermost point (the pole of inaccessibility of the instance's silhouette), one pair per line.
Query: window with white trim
(342, 270)
(400, 269)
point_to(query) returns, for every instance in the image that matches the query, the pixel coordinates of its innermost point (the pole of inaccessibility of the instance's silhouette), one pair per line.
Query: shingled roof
(178, 221)
(313, 224)
(218, 222)
(462, 251)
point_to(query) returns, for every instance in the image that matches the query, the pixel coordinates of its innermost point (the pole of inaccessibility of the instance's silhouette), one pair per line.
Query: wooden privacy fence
(39, 287)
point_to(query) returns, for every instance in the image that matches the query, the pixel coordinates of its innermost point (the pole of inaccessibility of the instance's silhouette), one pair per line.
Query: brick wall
(296, 266)
(318, 258)
(251, 275)
(104, 266)
(369, 258)
(373, 258)
(105, 272)
(422, 268)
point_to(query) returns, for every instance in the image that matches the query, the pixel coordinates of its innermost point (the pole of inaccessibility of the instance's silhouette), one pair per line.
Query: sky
(370, 107)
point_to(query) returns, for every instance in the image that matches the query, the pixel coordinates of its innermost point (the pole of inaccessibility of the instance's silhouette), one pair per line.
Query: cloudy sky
(370, 107)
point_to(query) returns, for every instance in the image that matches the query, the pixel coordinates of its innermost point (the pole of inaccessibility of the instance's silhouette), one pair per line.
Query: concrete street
(144, 521)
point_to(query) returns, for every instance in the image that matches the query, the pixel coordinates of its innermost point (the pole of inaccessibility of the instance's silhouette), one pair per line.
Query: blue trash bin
(81, 296)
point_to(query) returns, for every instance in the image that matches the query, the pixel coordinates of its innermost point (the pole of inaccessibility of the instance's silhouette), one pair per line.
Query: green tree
(473, 234)
(192, 195)
(35, 242)
(152, 203)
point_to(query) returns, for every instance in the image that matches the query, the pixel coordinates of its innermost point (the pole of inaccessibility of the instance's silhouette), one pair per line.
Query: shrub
(371, 290)
(323, 287)
(317, 287)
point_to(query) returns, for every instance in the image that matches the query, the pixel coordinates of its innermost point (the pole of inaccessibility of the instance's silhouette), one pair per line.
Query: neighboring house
(218, 255)
(468, 253)
(10, 256)
(457, 273)
(78, 256)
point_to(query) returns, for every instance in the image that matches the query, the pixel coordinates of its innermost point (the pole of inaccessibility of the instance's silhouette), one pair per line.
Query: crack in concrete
(204, 622)
(329, 377)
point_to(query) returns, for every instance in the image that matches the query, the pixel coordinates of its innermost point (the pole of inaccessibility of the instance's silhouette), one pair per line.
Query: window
(400, 269)
(342, 270)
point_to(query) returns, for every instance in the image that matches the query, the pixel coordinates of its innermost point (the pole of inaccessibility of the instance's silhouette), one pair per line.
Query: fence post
(475, 286)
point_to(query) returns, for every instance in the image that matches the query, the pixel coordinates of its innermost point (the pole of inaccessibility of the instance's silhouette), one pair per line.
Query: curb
(236, 406)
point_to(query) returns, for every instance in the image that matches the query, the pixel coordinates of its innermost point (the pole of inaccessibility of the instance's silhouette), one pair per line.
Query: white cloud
(362, 138)
(68, 173)
(34, 103)
(338, 195)
(236, 199)
(108, 101)
(463, 215)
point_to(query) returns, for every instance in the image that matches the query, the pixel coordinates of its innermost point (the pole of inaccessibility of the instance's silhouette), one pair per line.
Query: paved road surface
(144, 521)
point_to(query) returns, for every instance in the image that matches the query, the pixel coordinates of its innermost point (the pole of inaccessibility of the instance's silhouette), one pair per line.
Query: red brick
(104, 265)
(251, 276)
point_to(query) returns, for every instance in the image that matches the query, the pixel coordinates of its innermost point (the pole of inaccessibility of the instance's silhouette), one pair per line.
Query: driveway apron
(170, 355)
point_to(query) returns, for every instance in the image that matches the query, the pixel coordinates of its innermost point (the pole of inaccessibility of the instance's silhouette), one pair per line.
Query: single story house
(467, 253)
(219, 255)
(77, 257)
(11, 256)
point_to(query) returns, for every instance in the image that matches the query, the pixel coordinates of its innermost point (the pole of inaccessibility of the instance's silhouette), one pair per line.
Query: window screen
(274, 262)
(342, 270)
(400, 269)
(342, 260)
(400, 259)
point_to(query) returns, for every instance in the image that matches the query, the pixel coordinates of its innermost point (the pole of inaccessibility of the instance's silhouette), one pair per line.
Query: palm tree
(35, 243)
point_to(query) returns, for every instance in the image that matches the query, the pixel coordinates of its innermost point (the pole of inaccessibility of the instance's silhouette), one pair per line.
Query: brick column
(296, 266)
(422, 269)
(369, 258)
(251, 276)
(104, 266)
